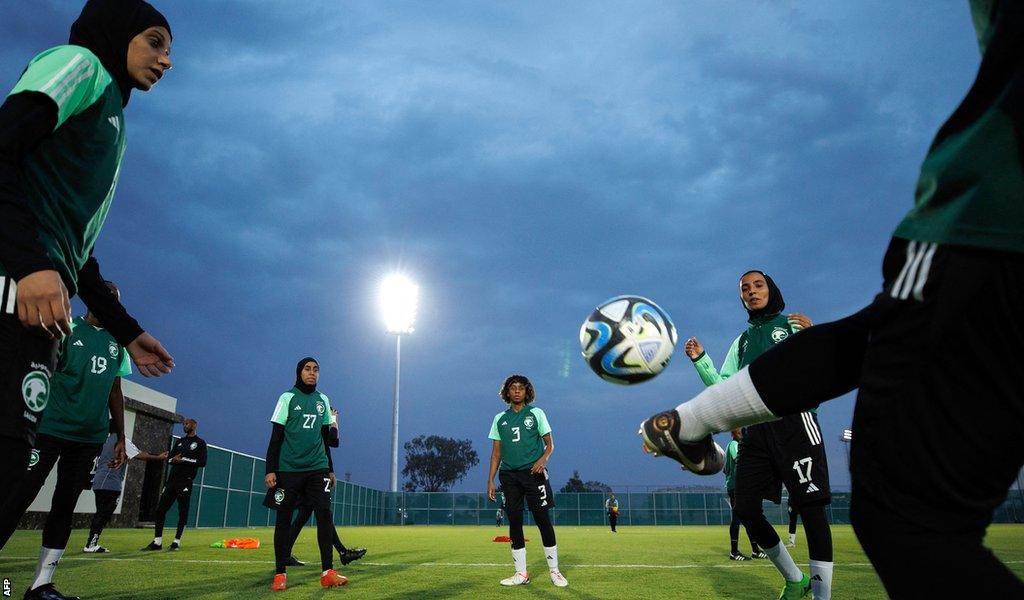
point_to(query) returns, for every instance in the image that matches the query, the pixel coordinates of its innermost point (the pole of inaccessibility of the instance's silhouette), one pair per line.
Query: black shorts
(27, 362)
(788, 452)
(308, 488)
(936, 428)
(535, 487)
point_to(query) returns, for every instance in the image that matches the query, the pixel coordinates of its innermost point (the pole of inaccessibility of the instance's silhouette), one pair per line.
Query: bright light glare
(399, 297)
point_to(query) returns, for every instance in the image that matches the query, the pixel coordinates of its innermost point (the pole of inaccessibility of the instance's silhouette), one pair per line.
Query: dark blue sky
(523, 162)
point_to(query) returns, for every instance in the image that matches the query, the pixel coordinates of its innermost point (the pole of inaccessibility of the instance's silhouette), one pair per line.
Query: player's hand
(176, 459)
(162, 455)
(119, 455)
(693, 348)
(799, 321)
(270, 480)
(149, 356)
(43, 303)
(538, 467)
(332, 478)
(491, 492)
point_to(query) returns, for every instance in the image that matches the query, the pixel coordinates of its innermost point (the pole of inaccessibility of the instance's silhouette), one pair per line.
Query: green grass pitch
(450, 562)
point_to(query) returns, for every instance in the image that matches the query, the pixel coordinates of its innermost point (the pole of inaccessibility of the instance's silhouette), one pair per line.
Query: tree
(575, 484)
(434, 463)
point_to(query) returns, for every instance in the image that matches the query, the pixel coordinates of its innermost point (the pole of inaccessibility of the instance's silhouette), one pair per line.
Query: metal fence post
(227, 492)
(248, 496)
(199, 501)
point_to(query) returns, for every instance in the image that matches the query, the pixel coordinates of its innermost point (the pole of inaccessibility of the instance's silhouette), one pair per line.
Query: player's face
(754, 291)
(149, 55)
(189, 426)
(310, 373)
(517, 392)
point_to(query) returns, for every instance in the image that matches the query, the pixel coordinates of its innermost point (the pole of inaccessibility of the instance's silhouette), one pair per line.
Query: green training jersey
(79, 405)
(302, 415)
(971, 187)
(69, 178)
(521, 435)
(731, 452)
(763, 333)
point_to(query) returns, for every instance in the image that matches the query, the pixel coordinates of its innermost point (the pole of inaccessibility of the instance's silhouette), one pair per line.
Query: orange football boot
(332, 578)
(280, 582)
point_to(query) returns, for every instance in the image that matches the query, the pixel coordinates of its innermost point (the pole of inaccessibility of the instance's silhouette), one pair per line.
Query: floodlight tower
(846, 438)
(398, 300)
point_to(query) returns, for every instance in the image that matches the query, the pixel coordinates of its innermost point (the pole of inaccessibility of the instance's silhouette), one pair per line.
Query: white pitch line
(449, 564)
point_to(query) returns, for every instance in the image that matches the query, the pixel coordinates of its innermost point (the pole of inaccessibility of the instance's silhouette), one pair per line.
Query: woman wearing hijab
(62, 138)
(788, 452)
(300, 471)
(345, 554)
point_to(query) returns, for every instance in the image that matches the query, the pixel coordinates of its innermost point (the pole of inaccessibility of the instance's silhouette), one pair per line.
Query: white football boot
(517, 579)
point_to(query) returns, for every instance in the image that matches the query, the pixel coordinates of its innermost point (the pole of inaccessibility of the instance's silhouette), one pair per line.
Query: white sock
(48, 559)
(519, 559)
(821, 579)
(552, 555)
(792, 538)
(784, 562)
(159, 541)
(722, 407)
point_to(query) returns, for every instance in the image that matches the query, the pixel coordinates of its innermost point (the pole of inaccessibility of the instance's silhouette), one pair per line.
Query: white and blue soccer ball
(628, 339)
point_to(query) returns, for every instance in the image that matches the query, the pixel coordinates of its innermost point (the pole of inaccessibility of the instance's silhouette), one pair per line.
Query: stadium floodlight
(399, 297)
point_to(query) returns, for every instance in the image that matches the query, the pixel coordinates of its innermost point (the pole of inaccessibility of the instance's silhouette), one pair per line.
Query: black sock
(735, 546)
(818, 533)
(282, 540)
(324, 539)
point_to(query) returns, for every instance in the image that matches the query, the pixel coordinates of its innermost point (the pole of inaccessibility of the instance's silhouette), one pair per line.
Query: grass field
(449, 562)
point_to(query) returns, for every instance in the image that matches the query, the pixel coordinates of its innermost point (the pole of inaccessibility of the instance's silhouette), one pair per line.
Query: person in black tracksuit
(187, 456)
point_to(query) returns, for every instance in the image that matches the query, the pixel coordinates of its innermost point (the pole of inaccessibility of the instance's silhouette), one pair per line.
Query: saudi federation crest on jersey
(320, 408)
(279, 496)
(528, 422)
(35, 389)
(113, 348)
(779, 334)
(193, 445)
(33, 458)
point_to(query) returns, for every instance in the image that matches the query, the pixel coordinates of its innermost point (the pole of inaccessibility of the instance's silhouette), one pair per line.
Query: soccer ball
(628, 339)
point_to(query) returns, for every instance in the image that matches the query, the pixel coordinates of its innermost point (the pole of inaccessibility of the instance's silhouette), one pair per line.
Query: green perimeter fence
(230, 492)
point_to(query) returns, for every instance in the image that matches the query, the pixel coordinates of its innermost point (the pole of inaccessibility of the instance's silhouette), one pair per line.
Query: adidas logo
(116, 122)
(816, 578)
(78, 343)
(812, 488)
(298, 408)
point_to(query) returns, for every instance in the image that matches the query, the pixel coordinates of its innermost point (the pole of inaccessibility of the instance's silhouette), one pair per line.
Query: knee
(748, 509)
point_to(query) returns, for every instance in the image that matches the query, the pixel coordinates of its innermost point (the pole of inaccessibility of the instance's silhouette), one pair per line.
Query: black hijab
(299, 384)
(106, 27)
(776, 304)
